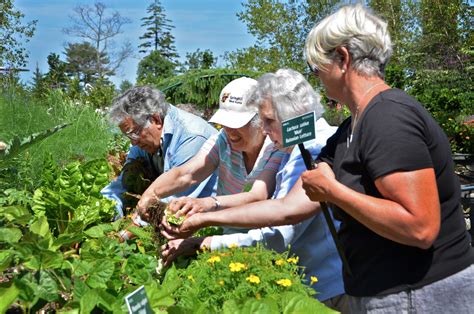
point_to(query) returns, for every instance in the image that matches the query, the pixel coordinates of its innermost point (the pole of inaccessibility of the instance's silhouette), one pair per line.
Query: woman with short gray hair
(389, 173)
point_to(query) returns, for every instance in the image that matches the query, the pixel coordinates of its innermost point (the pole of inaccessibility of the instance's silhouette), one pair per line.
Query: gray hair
(139, 103)
(289, 92)
(363, 33)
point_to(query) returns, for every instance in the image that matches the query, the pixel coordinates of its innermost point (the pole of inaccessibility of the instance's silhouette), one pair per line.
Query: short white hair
(363, 33)
(289, 92)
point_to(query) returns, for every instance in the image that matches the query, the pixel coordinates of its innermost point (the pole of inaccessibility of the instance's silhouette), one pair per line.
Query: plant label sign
(137, 302)
(298, 130)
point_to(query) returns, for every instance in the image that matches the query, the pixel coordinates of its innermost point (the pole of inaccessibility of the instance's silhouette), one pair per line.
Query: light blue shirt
(182, 138)
(311, 239)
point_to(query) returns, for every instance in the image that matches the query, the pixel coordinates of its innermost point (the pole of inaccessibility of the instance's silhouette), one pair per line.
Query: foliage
(101, 93)
(200, 87)
(449, 96)
(125, 85)
(93, 24)
(154, 68)
(81, 61)
(158, 35)
(239, 279)
(199, 60)
(56, 76)
(13, 34)
(280, 28)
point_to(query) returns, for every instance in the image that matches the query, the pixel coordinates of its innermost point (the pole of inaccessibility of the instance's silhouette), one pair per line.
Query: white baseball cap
(233, 112)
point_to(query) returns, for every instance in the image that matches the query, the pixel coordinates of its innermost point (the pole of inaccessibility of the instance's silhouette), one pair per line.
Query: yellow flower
(221, 282)
(279, 262)
(253, 279)
(236, 267)
(284, 282)
(293, 260)
(190, 277)
(314, 280)
(233, 246)
(214, 259)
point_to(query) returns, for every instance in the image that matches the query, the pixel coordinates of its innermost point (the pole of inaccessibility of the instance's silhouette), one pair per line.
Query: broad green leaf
(6, 258)
(263, 306)
(7, 297)
(100, 274)
(28, 289)
(41, 227)
(18, 214)
(158, 296)
(295, 303)
(51, 260)
(140, 268)
(10, 235)
(89, 301)
(47, 287)
(80, 288)
(82, 267)
(66, 240)
(99, 230)
(139, 232)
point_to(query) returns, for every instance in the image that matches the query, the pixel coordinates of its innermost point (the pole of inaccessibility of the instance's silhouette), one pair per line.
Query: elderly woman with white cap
(240, 153)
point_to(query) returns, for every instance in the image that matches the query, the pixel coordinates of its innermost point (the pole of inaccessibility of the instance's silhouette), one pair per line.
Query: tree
(280, 28)
(154, 68)
(158, 35)
(38, 85)
(81, 59)
(13, 33)
(125, 85)
(199, 60)
(56, 76)
(93, 24)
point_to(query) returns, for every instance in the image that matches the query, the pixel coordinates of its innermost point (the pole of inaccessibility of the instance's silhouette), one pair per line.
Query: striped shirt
(232, 174)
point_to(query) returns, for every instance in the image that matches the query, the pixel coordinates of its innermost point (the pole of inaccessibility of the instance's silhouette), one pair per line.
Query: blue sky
(203, 24)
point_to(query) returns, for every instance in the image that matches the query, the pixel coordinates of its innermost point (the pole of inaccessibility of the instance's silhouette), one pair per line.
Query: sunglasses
(313, 69)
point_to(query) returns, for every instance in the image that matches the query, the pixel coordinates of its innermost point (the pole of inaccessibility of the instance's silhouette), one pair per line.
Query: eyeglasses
(134, 135)
(313, 69)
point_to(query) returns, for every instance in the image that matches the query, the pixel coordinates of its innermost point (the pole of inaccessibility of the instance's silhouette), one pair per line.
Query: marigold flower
(279, 262)
(253, 279)
(214, 259)
(233, 246)
(221, 282)
(284, 282)
(293, 260)
(314, 280)
(190, 277)
(236, 267)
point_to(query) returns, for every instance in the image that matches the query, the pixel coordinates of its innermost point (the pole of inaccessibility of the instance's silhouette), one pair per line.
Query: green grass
(87, 137)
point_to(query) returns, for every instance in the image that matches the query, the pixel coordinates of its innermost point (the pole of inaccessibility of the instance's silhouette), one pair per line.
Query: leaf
(19, 214)
(41, 227)
(10, 235)
(100, 274)
(267, 305)
(7, 297)
(158, 295)
(99, 230)
(47, 287)
(89, 301)
(6, 258)
(139, 268)
(294, 303)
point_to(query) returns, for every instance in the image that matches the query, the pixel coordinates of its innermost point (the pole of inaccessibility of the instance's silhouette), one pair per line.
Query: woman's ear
(345, 57)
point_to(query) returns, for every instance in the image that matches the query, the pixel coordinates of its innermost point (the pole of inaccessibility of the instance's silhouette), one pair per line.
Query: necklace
(356, 116)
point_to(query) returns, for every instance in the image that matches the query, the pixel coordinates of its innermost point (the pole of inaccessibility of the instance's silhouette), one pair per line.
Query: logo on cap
(224, 97)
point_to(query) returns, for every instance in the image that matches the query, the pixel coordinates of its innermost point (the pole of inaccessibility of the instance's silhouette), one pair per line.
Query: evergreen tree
(56, 76)
(81, 62)
(158, 35)
(202, 60)
(38, 84)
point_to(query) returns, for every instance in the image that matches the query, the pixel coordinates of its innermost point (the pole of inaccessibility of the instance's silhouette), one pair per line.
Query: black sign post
(296, 131)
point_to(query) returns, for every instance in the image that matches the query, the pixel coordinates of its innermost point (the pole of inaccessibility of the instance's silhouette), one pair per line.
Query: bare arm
(177, 180)
(293, 208)
(408, 214)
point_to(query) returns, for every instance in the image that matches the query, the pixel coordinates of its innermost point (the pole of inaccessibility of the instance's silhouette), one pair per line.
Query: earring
(343, 71)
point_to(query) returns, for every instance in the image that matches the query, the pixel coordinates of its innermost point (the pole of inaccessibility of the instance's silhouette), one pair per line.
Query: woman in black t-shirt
(389, 174)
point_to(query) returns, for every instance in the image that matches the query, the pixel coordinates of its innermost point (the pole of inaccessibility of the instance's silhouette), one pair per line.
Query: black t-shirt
(395, 133)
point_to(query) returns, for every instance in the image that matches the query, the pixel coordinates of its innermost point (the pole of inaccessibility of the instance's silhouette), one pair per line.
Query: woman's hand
(182, 247)
(188, 206)
(147, 200)
(318, 183)
(185, 230)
